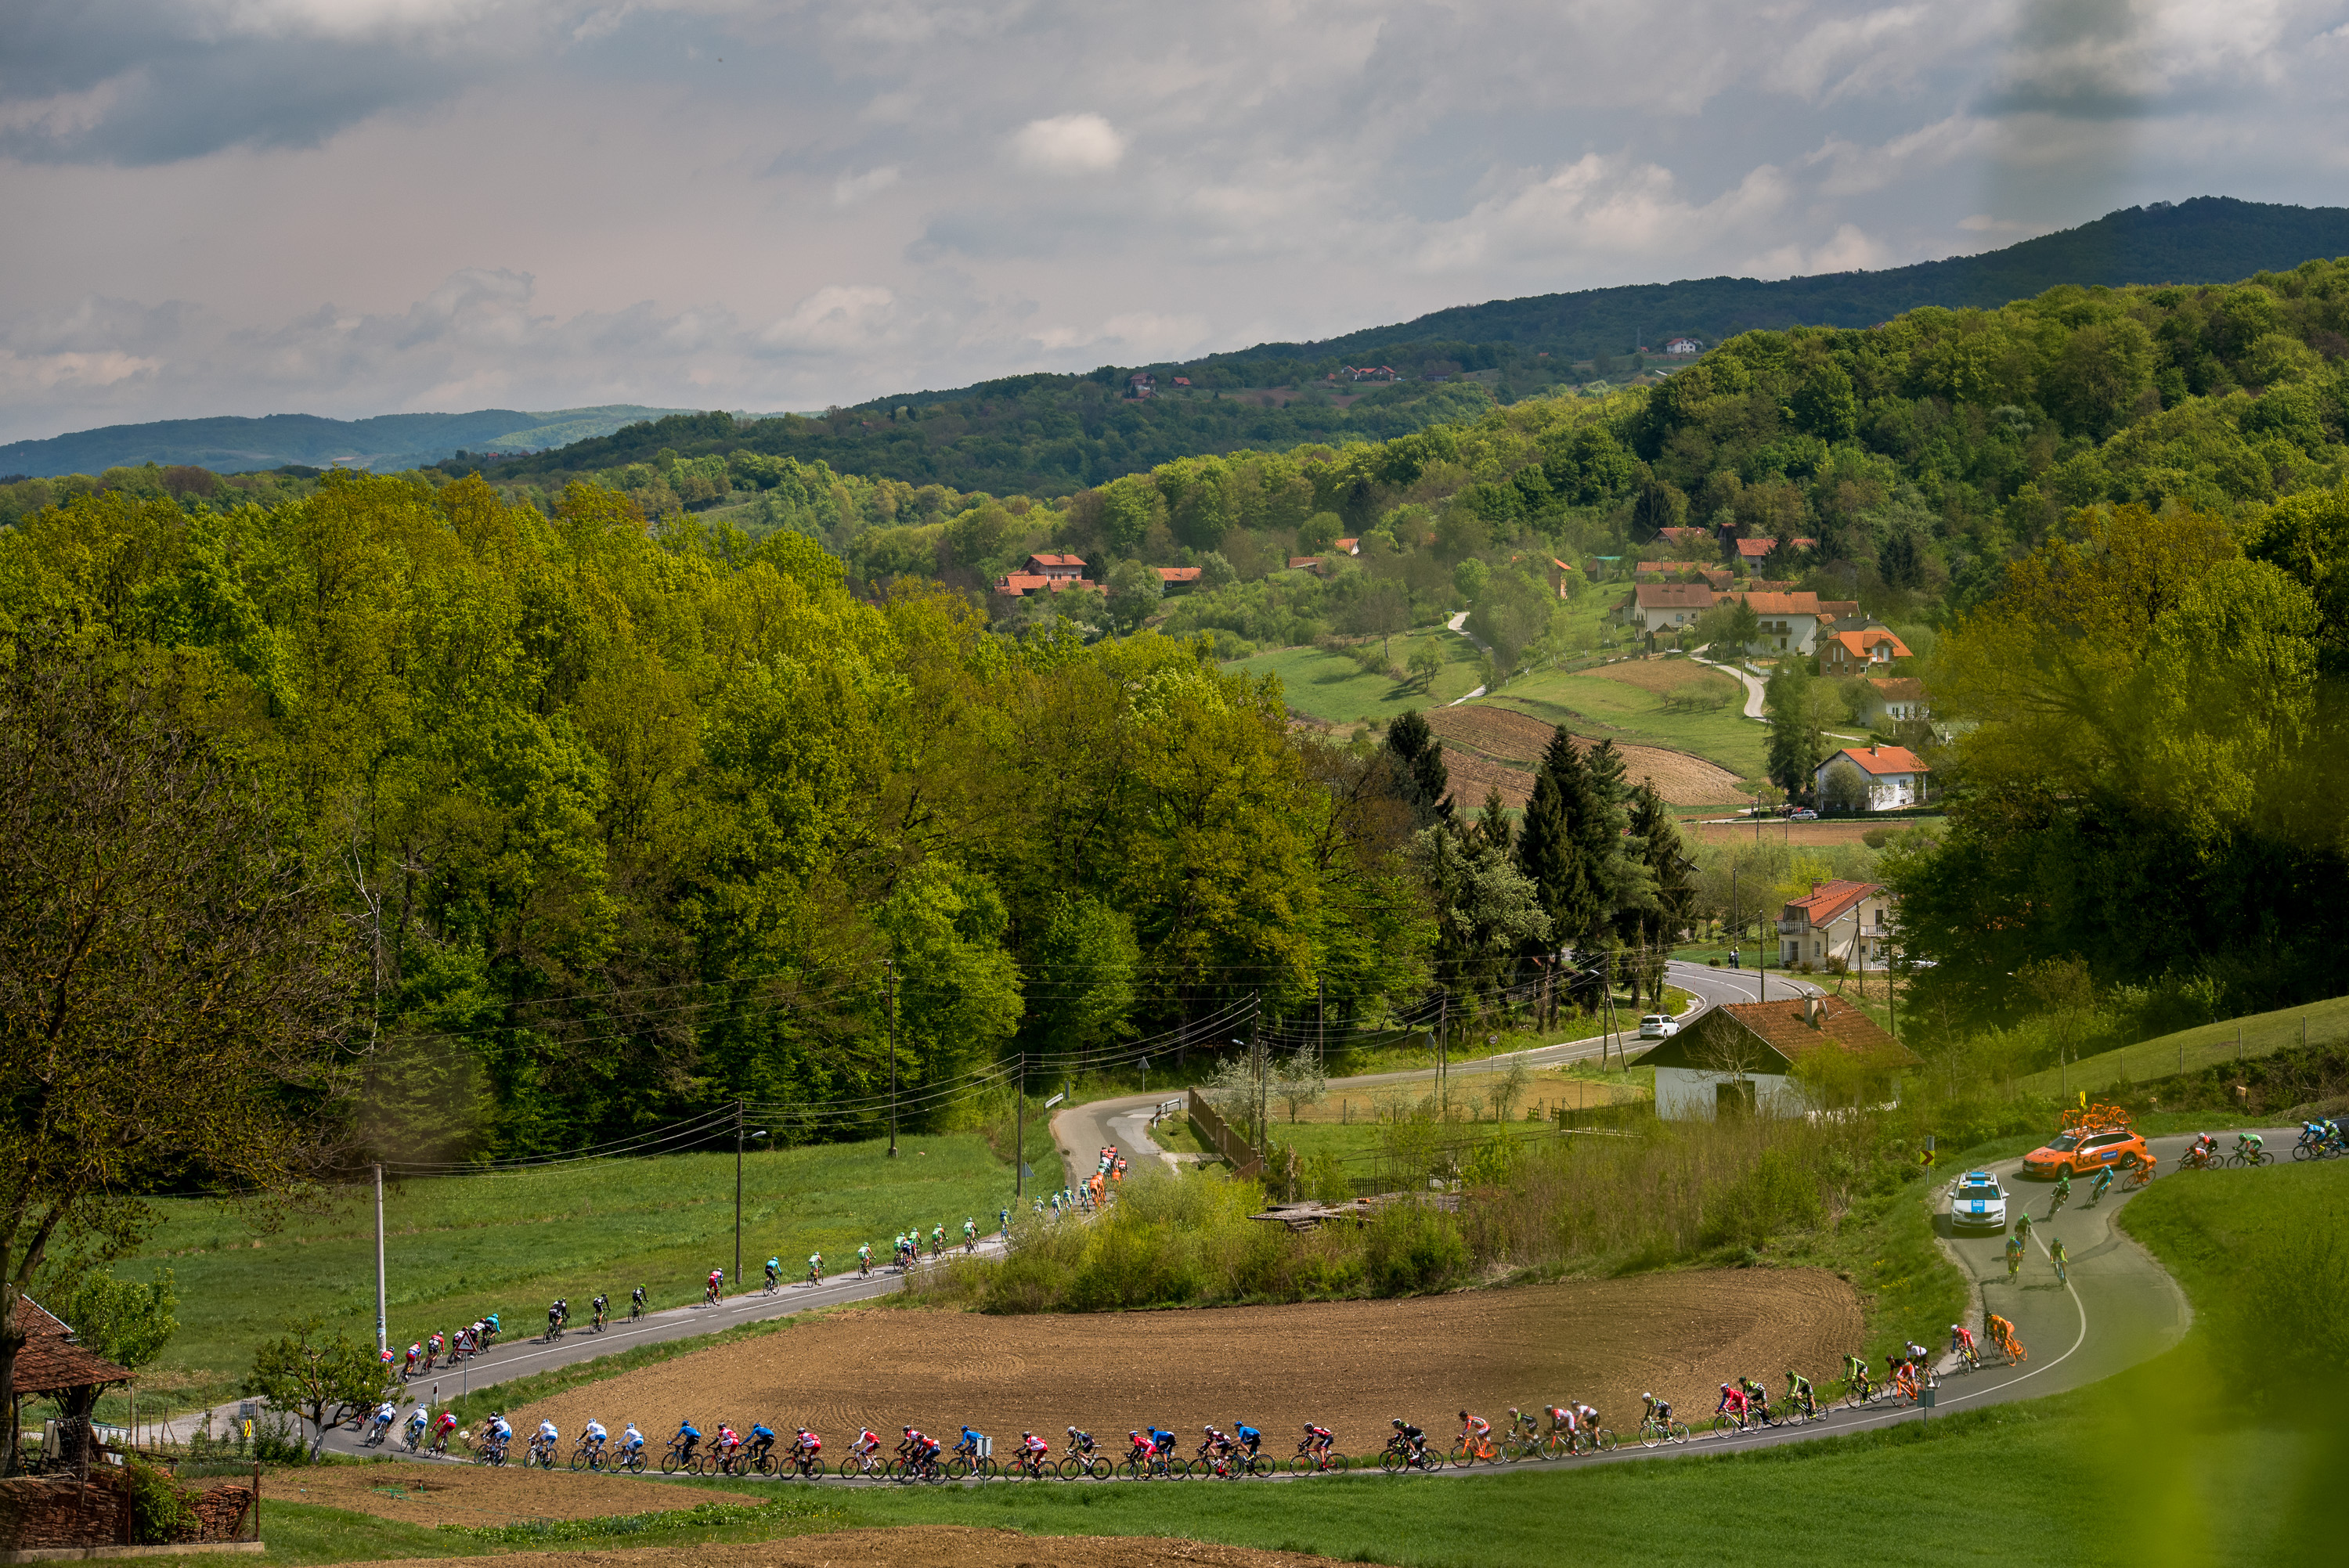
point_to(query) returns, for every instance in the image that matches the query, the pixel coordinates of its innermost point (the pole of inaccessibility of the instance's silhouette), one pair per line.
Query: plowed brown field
(1349, 1365)
(1478, 738)
(912, 1546)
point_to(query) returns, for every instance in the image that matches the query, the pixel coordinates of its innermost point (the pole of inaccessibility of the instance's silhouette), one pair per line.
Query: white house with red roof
(1047, 574)
(1880, 778)
(1790, 621)
(1852, 921)
(1666, 607)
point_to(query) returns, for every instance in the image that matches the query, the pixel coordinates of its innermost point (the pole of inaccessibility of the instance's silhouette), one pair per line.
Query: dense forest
(631, 808)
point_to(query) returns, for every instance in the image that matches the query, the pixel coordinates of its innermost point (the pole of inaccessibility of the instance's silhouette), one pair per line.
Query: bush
(1413, 1248)
(277, 1440)
(159, 1511)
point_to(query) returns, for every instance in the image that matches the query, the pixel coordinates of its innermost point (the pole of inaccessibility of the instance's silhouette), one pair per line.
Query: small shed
(49, 1365)
(1740, 1059)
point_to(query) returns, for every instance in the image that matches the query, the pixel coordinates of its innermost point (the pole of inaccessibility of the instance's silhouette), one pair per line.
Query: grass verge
(2190, 1051)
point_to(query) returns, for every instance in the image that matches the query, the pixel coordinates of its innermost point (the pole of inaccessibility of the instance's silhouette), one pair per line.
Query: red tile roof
(49, 1362)
(1756, 549)
(1176, 573)
(1786, 1029)
(1803, 603)
(1883, 759)
(1674, 596)
(1829, 900)
(1857, 644)
(1076, 560)
(1305, 562)
(1351, 546)
(1898, 688)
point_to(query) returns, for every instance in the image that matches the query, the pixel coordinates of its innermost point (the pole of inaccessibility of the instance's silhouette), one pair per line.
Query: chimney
(1814, 1011)
(1815, 887)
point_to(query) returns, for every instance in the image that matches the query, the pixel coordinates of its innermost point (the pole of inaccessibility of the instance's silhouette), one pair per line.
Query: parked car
(1978, 1203)
(1802, 814)
(1659, 1026)
(2086, 1149)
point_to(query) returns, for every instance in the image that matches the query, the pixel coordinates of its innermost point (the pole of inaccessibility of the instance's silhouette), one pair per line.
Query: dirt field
(1347, 1365)
(1478, 739)
(1661, 675)
(914, 1546)
(473, 1494)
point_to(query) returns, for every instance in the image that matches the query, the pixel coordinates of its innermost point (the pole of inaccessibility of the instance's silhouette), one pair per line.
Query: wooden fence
(1227, 1144)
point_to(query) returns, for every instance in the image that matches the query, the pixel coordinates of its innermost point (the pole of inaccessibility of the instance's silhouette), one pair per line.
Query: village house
(1682, 345)
(1790, 621)
(1049, 573)
(1178, 578)
(1141, 383)
(1742, 1060)
(1864, 651)
(1850, 920)
(1348, 547)
(1665, 607)
(1873, 777)
(1312, 563)
(1684, 536)
(1894, 699)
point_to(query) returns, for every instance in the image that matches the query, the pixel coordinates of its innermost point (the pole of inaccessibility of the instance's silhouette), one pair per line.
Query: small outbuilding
(1787, 1057)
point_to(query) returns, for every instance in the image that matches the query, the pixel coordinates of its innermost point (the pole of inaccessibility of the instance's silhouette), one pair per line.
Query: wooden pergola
(51, 1366)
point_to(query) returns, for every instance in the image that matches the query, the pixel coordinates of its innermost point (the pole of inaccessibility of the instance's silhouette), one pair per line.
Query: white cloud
(839, 318)
(1070, 144)
(849, 188)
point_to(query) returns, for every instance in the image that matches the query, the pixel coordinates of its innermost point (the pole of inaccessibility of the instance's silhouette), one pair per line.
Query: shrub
(1413, 1248)
(159, 1511)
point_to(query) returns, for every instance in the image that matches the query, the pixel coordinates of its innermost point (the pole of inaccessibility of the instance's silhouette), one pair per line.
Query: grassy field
(457, 1247)
(1334, 688)
(2260, 1035)
(1596, 705)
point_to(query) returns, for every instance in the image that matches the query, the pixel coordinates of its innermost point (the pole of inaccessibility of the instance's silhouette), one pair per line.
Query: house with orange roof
(1873, 777)
(1790, 621)
(1867, 651)
(1313, 564)
(1178, 578)
(1044, 573)
(1851, 921)
(1742, 1060)
(1348, 546)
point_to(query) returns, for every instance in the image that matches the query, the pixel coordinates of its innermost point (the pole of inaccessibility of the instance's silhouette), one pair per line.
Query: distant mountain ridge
(231, 444)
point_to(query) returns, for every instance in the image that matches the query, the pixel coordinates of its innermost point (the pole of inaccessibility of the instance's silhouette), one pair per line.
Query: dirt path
(1350, 1365)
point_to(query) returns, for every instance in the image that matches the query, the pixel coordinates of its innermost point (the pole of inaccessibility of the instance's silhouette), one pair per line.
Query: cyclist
(2063, 1192)
(1143, 1454)
(441, 1433)
(1917, 1356)
(1246, 1438)
(1318, 1440)
(1163, 1440)
(417, 1421)
(1003, 1224)
(1525, 1426)
(632, 1442)
(1474, 1431)
(774, 1273)
(636, 1302)
(593, 1436)
(1855, 1374)
(969, 1234)
(1799, 1393)
(868, 1444)
(729, 1445)
(2014, 1255)
(687, 1435)
(1732, 1403)
(713, 1289)
(553, 1320)
(973, 1440)
(1962, 1344)
(490, 1321)
(415, 1355)
(2101, 1186)
(815, 1268)
(499, 1432)
(384, 1414)
(1561, 1421)
(1414, 1441)
(1214, 1447)
(1757, 1400)
(1081, 1444)
(433, 1347)
(2055, 1254)
(542, 1443)
(937, 1242)
(1033, 1452)
(864, 1259)
(1653, 1409)
(603, 1306)
(921, 1448)
(2248, 1143)
(2023, 1226)
(1588, 1420)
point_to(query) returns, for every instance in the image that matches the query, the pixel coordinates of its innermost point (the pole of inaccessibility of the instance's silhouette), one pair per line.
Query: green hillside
(1050, 435)
(2189, 1051)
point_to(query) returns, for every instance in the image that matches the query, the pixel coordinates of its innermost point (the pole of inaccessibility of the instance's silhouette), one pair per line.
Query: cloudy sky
(351, 207)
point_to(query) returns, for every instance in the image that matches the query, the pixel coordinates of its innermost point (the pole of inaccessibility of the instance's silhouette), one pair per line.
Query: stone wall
(38, 1511)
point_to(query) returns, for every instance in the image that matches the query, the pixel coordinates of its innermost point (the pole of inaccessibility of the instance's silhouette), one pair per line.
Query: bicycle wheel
(670, 1462)
(1603, 1441)
(1302, 1464)
(988, 1470)
(958, 1467)
(1391, 1461)
(1129, 1470)
(579, 1458)
(1725, 1424)
(2263, 1157)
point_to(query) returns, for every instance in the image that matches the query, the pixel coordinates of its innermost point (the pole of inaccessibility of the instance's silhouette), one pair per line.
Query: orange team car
(2081, 1150)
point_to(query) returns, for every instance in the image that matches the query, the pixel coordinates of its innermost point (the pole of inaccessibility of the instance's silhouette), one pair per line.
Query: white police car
(1978, 1203)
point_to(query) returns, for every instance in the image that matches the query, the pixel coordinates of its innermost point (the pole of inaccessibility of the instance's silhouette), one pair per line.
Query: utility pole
(738, 1194)
(1019, 1132)
(382, 1342)
(1442, 1038)
(889, 987)
(1321, 1024)
(1607, 989)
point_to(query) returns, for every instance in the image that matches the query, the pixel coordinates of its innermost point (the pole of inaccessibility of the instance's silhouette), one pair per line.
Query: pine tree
(1493, 822)
(1551, 844)
(1420, 754)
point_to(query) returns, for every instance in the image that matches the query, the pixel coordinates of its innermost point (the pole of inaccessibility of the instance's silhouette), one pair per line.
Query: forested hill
(1044, 435)
(230, 444)
(2210, 239)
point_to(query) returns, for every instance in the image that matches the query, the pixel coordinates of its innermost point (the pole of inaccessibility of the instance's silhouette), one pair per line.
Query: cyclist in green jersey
(1798, 1393)
(2055, 1251)
(2023, 1225)
(2014, 1255)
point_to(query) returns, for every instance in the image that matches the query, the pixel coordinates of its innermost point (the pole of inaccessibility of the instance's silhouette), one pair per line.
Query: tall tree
(172, 984)
(1414, 745)
(1553, 842)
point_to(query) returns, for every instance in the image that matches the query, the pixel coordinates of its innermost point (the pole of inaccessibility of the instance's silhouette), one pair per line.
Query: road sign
(1054, 1100)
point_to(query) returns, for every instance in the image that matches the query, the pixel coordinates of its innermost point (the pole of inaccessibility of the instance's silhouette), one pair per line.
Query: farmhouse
(1851, 921)
(1894, 698)
(1178, 578)
(1046, 573)
(1790, 621)
(1743, 1058)
(1873, 777)
(1682, 345)
(1863, 652)
(1666, 606)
